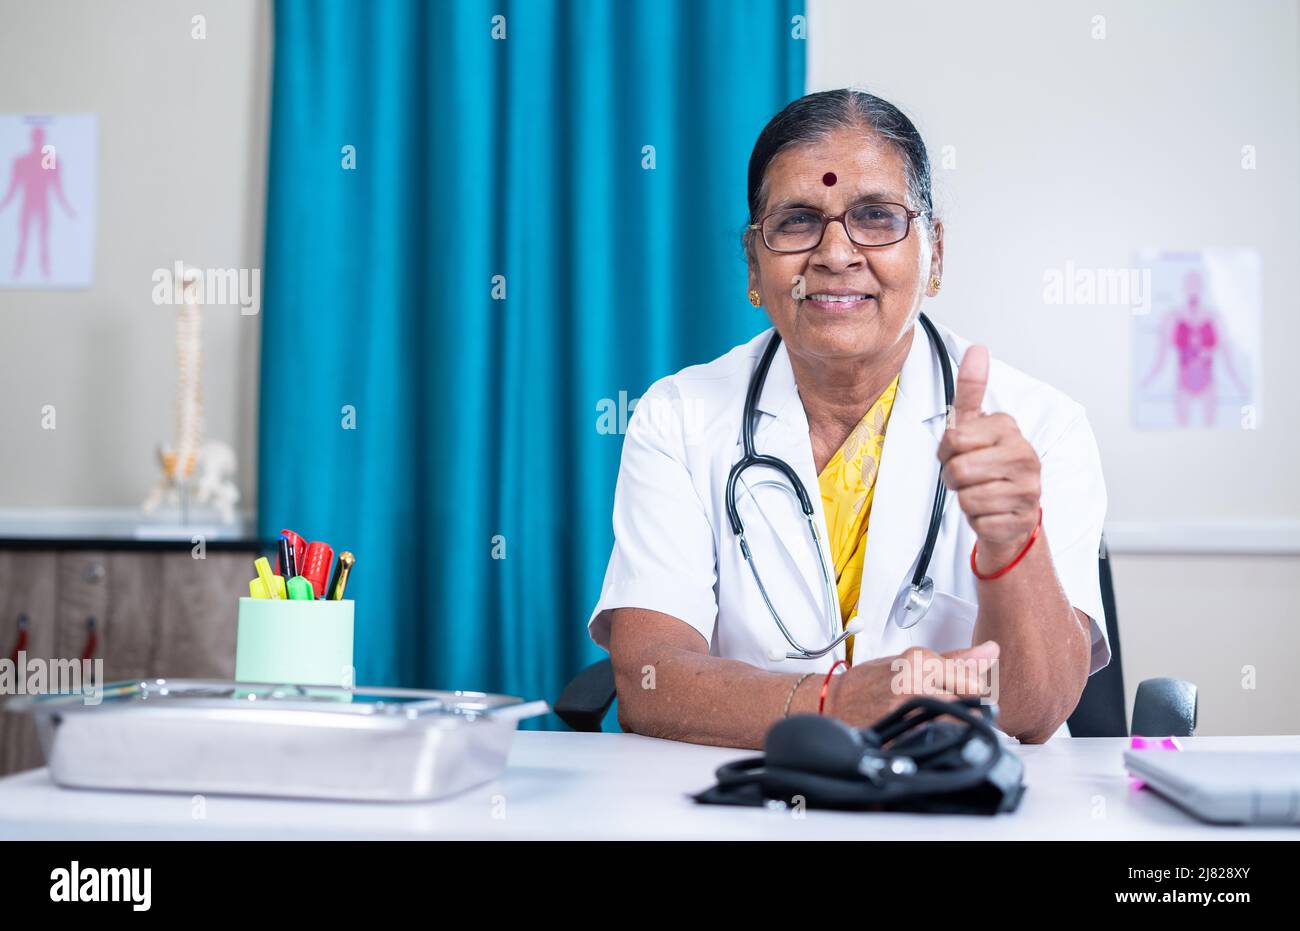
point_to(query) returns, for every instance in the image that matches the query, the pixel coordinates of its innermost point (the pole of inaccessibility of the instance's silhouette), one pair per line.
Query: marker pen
(316, 566)
(300, 589)
(287, 563)
(299, 546)
(263, 566)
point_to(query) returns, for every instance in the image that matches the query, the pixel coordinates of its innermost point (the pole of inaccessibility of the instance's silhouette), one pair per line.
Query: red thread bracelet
(826, 684)
(1011, 565)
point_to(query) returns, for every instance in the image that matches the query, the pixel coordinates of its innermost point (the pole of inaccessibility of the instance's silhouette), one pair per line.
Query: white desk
(620, 786)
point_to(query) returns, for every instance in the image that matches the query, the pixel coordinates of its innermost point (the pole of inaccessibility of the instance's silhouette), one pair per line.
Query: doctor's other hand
(868, 691)
(988, 462)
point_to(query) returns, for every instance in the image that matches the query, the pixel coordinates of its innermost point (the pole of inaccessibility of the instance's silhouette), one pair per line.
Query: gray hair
(813, 117)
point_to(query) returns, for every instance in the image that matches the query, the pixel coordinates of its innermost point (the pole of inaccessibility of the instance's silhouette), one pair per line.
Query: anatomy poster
(48, 174)
(1196, 353)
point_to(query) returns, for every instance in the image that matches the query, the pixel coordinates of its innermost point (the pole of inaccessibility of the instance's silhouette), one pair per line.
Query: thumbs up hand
(990, 465)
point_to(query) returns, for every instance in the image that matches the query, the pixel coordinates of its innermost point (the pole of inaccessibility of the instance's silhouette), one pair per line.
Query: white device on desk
(1222, 786)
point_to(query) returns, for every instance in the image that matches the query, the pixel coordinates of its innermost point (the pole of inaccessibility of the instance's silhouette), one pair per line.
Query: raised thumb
(972, 377)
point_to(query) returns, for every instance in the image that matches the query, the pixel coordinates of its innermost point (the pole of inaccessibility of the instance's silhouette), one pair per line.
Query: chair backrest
(1100, 712)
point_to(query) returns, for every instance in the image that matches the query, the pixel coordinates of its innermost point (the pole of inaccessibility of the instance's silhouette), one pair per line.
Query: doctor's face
(859, 302)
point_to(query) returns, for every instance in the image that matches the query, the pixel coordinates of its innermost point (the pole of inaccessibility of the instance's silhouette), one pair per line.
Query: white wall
(1070, 148)
(182, 146)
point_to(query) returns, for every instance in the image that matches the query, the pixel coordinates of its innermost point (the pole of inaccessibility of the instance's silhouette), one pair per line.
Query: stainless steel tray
(238, 738)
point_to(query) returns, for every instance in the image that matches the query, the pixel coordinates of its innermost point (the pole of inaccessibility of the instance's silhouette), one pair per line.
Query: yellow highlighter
(271, 583)
(257, 588)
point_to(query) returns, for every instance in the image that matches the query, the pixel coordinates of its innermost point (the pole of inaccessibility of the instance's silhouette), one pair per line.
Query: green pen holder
(298, 642)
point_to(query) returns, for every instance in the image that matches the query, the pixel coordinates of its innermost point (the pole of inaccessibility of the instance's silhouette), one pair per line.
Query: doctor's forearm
(1045, 645)
(669, 686)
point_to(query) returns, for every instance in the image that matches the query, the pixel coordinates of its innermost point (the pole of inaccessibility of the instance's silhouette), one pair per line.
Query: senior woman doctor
(843, 251)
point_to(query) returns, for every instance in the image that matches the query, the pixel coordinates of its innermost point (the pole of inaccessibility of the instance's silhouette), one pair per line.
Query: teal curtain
(473, 256)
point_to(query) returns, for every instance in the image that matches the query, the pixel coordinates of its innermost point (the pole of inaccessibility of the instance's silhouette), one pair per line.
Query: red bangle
(826, 684)
(1011, 565)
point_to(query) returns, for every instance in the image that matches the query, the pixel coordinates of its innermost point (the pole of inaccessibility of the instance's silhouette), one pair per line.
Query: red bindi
(829, 179)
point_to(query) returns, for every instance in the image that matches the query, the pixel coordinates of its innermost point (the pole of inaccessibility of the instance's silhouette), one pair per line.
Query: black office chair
(1162, 707)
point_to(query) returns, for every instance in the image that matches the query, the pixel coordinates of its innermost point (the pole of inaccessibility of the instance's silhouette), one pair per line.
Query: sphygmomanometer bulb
(816, 744)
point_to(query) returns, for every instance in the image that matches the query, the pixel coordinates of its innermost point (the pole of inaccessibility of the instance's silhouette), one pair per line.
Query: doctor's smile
(837, 300)
(864, 488)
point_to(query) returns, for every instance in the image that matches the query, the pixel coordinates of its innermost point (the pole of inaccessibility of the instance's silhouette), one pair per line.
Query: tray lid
(257, 697)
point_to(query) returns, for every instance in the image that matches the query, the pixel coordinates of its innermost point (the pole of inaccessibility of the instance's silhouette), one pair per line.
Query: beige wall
(1070, 148)
(1214, 620)
(182, 141)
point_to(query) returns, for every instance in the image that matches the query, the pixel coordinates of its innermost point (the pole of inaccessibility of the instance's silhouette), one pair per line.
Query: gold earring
(755, 298)
(934, 282)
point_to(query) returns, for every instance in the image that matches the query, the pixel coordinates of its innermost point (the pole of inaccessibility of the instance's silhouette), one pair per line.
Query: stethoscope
(912, 602)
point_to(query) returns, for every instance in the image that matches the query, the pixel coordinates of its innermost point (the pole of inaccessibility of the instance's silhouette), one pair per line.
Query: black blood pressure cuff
(927, 756)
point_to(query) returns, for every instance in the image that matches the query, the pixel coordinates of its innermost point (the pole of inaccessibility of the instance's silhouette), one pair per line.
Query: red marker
(299, 552)
(315, 567)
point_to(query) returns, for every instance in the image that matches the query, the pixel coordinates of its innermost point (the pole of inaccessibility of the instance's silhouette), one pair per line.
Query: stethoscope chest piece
(912, 603)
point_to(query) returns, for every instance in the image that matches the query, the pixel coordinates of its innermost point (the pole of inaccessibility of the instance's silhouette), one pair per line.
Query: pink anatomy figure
(37, 183)
(1194, 332)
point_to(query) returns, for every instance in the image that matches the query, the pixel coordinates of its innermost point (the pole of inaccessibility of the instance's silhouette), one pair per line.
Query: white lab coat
(674, 550)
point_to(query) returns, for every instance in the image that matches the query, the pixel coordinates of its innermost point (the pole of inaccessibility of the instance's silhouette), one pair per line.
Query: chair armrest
(586, 699)
(1164, 708)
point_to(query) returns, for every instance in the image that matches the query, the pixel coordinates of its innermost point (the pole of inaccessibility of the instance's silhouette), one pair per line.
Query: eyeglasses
(801, 229)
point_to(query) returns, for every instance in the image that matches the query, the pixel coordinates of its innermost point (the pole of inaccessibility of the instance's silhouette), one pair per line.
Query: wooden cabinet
(157, 612)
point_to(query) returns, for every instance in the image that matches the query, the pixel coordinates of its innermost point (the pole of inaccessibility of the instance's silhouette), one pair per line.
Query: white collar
(920, 389)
